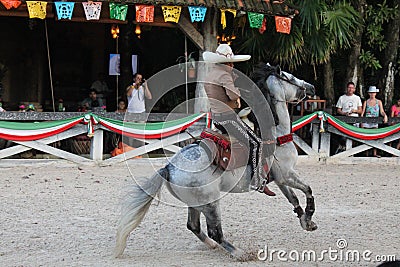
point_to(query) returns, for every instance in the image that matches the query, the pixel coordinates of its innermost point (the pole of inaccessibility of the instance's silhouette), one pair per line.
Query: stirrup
(262, 186)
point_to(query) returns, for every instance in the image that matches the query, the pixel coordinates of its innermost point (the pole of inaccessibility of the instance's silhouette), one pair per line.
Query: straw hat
(373, 89)
(224, 54)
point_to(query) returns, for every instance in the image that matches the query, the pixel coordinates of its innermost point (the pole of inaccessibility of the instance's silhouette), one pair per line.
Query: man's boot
(268, 192)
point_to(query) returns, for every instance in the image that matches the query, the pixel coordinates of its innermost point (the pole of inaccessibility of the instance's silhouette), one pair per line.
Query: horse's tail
(136, 206)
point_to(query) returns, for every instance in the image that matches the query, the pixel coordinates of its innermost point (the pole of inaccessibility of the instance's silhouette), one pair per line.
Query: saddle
(226, 154)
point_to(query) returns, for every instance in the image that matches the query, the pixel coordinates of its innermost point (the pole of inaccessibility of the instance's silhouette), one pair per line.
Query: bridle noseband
(286, 79)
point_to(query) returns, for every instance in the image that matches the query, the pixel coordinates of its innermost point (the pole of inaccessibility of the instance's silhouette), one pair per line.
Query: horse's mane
(259, 76)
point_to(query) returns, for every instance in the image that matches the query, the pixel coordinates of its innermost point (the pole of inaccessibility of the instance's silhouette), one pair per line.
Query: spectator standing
(349, 104)
(395, 112)
(372, 107)
(136, 93)
(395, 109)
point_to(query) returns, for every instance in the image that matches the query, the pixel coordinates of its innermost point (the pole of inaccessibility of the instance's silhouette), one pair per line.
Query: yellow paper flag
(37, 9)
(171, 13)
(223, 18)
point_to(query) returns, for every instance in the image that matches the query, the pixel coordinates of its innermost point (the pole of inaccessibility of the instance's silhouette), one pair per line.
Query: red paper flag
(10, 3)
(283, 24)
(144, 13)
(263, 26)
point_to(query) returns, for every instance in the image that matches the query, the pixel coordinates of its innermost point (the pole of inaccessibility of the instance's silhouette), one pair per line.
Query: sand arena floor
(58, 214)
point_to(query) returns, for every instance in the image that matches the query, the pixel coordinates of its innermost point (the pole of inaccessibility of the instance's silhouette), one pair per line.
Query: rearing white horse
(191, 177)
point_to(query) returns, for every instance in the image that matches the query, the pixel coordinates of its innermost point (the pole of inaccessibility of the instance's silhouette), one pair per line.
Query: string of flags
(144, 13)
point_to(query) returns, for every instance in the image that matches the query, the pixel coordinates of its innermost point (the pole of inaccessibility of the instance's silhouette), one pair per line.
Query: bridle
(286, 79)
(293, 103)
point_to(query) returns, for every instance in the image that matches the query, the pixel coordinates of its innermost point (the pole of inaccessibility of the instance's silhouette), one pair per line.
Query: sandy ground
(58, 214)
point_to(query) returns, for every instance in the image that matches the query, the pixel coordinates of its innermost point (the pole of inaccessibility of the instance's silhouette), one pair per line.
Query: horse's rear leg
(213, 219)
(294, 181)
(291, 196)
(193, 224)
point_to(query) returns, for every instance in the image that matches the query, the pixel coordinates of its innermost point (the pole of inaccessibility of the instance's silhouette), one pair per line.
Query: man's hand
(238, 104)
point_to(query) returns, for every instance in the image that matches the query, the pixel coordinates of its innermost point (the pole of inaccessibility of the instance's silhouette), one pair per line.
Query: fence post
(96, 146)
(315, 137)
(325, 146)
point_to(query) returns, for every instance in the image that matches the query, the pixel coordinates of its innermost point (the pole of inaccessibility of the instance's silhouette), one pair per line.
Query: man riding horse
(224, 97)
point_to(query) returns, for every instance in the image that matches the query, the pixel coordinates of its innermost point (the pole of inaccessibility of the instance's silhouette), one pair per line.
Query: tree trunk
(210, 44)
(390, 57)
(353, 73)
(328, 84)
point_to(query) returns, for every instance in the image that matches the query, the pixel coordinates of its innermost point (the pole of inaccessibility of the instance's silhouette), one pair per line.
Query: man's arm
(339, 107)
(231, 91)
(358, 110)
(147, 92)
(129, 90)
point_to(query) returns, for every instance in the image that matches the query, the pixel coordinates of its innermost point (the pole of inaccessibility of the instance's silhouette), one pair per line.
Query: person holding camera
(136, 92)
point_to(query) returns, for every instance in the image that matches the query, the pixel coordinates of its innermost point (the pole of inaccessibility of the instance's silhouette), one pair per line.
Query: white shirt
(136, 102)
(348, 103)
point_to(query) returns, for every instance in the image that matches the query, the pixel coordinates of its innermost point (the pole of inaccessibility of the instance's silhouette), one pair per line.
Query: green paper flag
(255, 19)
(118, 11)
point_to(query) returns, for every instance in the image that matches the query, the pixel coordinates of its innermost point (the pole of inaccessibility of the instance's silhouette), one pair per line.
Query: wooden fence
(335, 141)
(308, 138)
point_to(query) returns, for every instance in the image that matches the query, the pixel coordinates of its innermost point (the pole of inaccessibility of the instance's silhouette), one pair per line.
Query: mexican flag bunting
(28, 131)
(150, 130)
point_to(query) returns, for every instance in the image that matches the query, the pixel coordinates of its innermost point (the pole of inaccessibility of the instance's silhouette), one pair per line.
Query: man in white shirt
(136, 94)
(349, 104)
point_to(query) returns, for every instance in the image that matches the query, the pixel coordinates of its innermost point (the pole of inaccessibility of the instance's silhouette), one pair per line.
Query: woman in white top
(136, 93)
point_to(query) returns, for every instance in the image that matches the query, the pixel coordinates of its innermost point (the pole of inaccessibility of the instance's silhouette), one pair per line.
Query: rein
(302, 88)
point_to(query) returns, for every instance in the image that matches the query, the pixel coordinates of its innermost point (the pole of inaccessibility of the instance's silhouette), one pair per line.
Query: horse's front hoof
(307, 225)
(239, 254)
(311, 226)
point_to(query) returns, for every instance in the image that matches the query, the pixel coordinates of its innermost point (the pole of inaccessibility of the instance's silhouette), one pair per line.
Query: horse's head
(281, 85)
(286, 87)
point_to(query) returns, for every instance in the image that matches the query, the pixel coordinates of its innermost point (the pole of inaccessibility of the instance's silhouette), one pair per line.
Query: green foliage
(341, 21)
(375, 18)
(369, 60)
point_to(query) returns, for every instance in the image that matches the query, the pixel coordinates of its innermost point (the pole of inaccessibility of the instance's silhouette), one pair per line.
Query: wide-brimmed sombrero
(223, 54)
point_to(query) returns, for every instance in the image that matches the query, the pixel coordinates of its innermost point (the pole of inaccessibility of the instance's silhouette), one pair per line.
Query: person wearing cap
(372, 107)
(224, 98)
